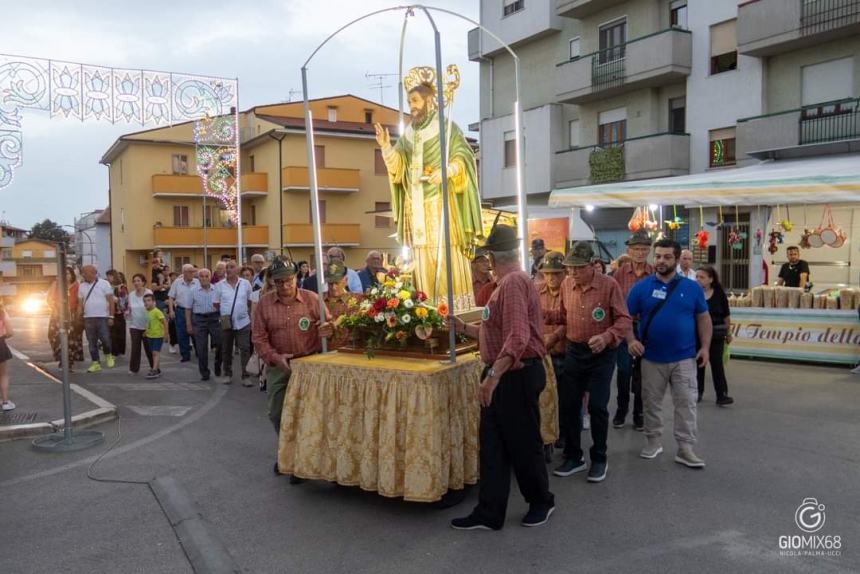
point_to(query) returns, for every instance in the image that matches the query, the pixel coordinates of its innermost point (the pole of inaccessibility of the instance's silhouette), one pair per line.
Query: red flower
(372, 313)
(379, 304)
(394, 273)
(421, 295)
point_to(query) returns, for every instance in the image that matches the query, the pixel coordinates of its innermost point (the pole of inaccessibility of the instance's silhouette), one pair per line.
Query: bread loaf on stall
(846, 299)
(807, 300)
(767, 296)
(780, 300)
(757, 295)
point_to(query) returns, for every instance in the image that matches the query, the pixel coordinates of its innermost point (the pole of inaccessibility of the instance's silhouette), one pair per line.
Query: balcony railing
(332, 179)
(214, 236)
(607, 68)
(818, 16)
(830, 122)
(174, 185)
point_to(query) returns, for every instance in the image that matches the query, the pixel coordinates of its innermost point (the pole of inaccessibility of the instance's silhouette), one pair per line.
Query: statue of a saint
(414, 170)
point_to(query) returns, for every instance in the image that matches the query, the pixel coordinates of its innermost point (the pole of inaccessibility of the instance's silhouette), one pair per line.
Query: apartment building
(92, 240)
(620, 91)
(26, 265)
(156, 198)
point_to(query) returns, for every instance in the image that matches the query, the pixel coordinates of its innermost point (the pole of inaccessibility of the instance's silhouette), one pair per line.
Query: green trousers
(276, 387)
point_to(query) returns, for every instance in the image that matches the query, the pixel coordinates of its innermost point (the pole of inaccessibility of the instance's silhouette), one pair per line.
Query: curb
(105, 412)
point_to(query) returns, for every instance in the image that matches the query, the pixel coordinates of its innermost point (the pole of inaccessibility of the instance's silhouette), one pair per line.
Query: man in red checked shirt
(512, 347)
(596, 322)
(286, 326)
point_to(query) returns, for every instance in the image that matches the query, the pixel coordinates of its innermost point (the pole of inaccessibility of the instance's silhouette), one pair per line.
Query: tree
(49, 231)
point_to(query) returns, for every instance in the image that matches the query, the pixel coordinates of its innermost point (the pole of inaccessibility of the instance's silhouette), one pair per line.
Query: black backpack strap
(657, 308)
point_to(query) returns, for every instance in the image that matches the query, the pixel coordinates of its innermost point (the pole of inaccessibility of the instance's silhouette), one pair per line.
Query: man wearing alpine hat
(512, 348)
(286, 326)
(596, 322)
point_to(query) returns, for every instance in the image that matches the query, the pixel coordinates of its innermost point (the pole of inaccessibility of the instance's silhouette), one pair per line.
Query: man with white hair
(685, 265)
(373, 265)
(257, 264)
(178, 301)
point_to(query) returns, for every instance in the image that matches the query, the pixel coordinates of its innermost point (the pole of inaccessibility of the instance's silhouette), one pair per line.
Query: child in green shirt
(156, 330)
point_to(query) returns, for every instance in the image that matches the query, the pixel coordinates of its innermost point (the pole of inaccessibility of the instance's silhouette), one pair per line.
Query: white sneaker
(172, 349)
(586, 422)
(8, 406)
(856, 370)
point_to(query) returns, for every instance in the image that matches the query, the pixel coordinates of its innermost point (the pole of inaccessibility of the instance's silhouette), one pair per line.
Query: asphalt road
(794, 433)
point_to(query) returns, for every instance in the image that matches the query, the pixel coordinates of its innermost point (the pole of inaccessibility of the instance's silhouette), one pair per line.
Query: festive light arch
(121, 95)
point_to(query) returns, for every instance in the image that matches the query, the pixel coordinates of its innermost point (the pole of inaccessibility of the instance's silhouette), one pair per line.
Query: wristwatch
(491, 373)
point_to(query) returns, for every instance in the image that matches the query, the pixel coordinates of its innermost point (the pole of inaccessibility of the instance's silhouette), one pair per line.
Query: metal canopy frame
(522, 207)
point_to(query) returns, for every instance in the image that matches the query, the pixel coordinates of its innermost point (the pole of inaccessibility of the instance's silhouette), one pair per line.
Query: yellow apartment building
(27, 266)
(157, 200)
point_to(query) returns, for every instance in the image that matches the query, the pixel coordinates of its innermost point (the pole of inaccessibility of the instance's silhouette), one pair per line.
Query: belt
(206, 314)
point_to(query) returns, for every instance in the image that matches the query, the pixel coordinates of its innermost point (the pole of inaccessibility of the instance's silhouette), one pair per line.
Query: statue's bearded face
(419, 106)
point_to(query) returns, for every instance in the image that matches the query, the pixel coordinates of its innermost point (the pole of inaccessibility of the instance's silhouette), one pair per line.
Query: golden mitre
(426, 76)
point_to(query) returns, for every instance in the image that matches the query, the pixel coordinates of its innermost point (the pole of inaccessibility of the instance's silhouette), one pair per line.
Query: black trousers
(629, 378)
(137, 341)
(584, 372)
(510, 437)
(206, 327)
(718, 370)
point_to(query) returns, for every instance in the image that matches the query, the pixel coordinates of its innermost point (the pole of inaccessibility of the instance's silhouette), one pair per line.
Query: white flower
(408, 303)
(398, 285)
(405, 318)
(379, 318)
(374, 291)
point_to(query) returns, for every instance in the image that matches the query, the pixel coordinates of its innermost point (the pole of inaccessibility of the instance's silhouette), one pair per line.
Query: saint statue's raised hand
(382, 136)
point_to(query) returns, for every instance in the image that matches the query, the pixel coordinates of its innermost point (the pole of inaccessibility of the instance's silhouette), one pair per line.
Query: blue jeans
(97, 330)
(584, 372)
(182, 335)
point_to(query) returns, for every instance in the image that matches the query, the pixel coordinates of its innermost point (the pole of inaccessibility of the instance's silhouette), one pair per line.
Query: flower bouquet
(394, 314)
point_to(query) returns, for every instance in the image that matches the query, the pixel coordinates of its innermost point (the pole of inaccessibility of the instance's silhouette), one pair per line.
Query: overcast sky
(262, 42)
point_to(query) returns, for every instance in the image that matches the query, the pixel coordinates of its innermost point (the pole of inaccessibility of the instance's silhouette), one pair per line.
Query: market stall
(741, 221)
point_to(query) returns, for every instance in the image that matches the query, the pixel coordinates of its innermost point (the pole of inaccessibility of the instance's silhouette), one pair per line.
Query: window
(180, 216)
(612, 128)
(332, 114)
(251, 165)
(722, 147)
(253, 215)
(311, 212)
(30, 270)
(47, 253)
(677, 115)
(724, 47)
(180, 164)
(573, 48)
(180, 261)
(512, 6)
(319, 154)
(612, 36)
(379, 163)
(26, 253)
(510, 149)
(827, 81)
(368, 116)
(573, 133)
(383, 221)
(678, 14)
(207, 216)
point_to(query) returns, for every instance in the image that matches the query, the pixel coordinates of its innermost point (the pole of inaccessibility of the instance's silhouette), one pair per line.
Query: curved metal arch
(312, 175)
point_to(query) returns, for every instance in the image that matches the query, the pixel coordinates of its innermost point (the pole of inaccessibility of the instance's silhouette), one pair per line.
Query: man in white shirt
(179, 299)
(685, 265)
(232, 297)
(97, 306)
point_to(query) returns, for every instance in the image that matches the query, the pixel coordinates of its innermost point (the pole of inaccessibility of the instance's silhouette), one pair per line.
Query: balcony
(474, 42)
(826, 128)
(582, 8)
(252, 236)
(163, 185)
(660, 155)
(331, 179)
(343, 234)
(655, 60)
(535, 20)
(7, 242)
(8, 269)
(768, 27)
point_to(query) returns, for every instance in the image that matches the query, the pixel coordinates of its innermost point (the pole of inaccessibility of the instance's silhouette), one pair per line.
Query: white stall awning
(830, 179)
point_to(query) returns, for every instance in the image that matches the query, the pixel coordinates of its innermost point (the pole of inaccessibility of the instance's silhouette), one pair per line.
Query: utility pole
(292, 93)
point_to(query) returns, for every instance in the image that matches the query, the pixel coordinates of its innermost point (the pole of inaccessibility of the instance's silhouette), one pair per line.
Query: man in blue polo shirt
(673, 311)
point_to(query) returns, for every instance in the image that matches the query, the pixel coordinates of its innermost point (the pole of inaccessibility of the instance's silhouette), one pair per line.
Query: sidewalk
(38, 397)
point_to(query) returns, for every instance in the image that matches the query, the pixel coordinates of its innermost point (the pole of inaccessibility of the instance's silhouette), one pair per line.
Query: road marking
(160, 410)
(153, 386)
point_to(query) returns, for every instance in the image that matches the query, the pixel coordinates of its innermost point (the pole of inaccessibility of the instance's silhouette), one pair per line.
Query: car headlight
(32, 305)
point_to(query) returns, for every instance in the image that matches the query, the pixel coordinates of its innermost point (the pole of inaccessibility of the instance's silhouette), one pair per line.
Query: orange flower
(391, 321)
(400, 335)
(393, 303)
(443, 309)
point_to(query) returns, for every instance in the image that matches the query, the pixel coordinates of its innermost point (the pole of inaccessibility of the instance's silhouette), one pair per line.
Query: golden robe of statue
(414, 170)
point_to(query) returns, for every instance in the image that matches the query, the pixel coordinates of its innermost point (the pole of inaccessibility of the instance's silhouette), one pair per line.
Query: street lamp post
(279, 136)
